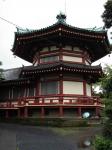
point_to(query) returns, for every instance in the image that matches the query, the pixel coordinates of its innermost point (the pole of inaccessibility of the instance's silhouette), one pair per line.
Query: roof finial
(61, 17)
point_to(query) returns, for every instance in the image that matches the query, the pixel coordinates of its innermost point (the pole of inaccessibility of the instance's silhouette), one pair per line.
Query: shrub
(102, 143)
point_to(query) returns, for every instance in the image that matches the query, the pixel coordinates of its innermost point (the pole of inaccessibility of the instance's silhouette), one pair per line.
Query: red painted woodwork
(25, 112)
(97, 111)
(79, 112)
(61, 111)
(18, 113)
(61, 84)
(59, 100)
(61, 53)
(7, 113)
(42, 112)
(84, 88)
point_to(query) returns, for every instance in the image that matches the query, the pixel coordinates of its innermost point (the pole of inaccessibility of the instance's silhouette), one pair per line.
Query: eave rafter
(57, 33)
(62, 67)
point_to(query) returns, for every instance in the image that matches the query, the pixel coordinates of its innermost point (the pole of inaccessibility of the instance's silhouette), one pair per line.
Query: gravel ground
(18, 137)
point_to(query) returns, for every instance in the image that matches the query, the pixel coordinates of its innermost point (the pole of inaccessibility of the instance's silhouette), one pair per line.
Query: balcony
(52, 101)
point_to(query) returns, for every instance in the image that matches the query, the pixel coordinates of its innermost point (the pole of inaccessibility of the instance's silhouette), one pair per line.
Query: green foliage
(105, 142)
(106, 82)
(108, 108)
(107, 130)
(107, 14)
(51, 122)
(102, 143)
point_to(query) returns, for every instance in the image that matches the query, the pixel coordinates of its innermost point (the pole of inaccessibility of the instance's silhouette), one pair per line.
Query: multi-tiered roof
(27, 43)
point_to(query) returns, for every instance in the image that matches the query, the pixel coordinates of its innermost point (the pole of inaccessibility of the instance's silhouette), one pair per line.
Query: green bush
(107, 129)
(103, 144)
(53, 122)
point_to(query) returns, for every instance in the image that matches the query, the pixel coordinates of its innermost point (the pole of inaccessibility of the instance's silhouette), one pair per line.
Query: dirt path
(43, 138)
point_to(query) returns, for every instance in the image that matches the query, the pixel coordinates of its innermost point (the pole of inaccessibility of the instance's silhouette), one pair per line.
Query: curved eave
(59, 30)
(57, 25)
(60, 26)
(63, 67)
(17, 82)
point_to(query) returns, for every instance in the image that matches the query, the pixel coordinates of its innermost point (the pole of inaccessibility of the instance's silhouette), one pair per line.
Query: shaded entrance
(70, 112)
(51, 112)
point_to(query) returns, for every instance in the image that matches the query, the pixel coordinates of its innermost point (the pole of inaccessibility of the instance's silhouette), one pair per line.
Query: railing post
(7, 113)
(18, 113)
(61, 111)
(97, 112)
(79, 112)
(25, 112)
(42, 112)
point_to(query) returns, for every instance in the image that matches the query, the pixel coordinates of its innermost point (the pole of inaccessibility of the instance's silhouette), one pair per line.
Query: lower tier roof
(26, 74)
(61, 66)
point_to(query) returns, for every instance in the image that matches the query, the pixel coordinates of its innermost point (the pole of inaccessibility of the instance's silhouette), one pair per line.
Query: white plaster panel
(66, 101)
(74, 101)
(88, 89)
(71, 87)
(76, 49)
(40, 101)
(31, 102)
(55, 101)
(45, 49)
(71, 58)
(36, 63)
(46, 101)
(52, 48)
(87, 63)
(68, 47)
(14, 103)
(27, 104)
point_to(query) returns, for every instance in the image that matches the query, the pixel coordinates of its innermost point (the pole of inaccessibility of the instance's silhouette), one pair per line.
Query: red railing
(52, 100)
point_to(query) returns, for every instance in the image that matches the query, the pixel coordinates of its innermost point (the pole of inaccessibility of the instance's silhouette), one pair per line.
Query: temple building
(59, 81)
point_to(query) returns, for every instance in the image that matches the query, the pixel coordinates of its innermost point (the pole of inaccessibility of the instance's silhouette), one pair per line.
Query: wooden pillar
(42, 112)
(61, 84)
(61, 88)
(60, 56)
(83, 59)
(7, 113)
(18, 113)
(97, 112)
(84, 88)
(61, 111)
(79, 112)
(25, 112)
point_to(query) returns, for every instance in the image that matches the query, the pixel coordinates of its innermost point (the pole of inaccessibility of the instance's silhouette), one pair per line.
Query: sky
(36, 14)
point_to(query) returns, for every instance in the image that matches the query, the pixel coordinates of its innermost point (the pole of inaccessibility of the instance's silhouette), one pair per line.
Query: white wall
(67, 47)
(72, 87)
(88, 89)
(45, 49)
(71, 58)
(77, 49)
(87, 63)
(53, 48)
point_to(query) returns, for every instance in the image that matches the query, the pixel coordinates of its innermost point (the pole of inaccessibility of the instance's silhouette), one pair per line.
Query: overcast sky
(36, 14)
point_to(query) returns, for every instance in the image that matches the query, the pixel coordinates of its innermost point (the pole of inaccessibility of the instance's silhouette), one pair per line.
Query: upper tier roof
(27, 43)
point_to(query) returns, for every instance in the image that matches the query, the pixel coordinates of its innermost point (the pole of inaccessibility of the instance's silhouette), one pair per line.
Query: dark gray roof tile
(12, 74)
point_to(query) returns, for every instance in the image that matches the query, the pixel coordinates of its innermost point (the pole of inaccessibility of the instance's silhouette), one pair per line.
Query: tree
(105, 142)
(107, 14)
(106, 82)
